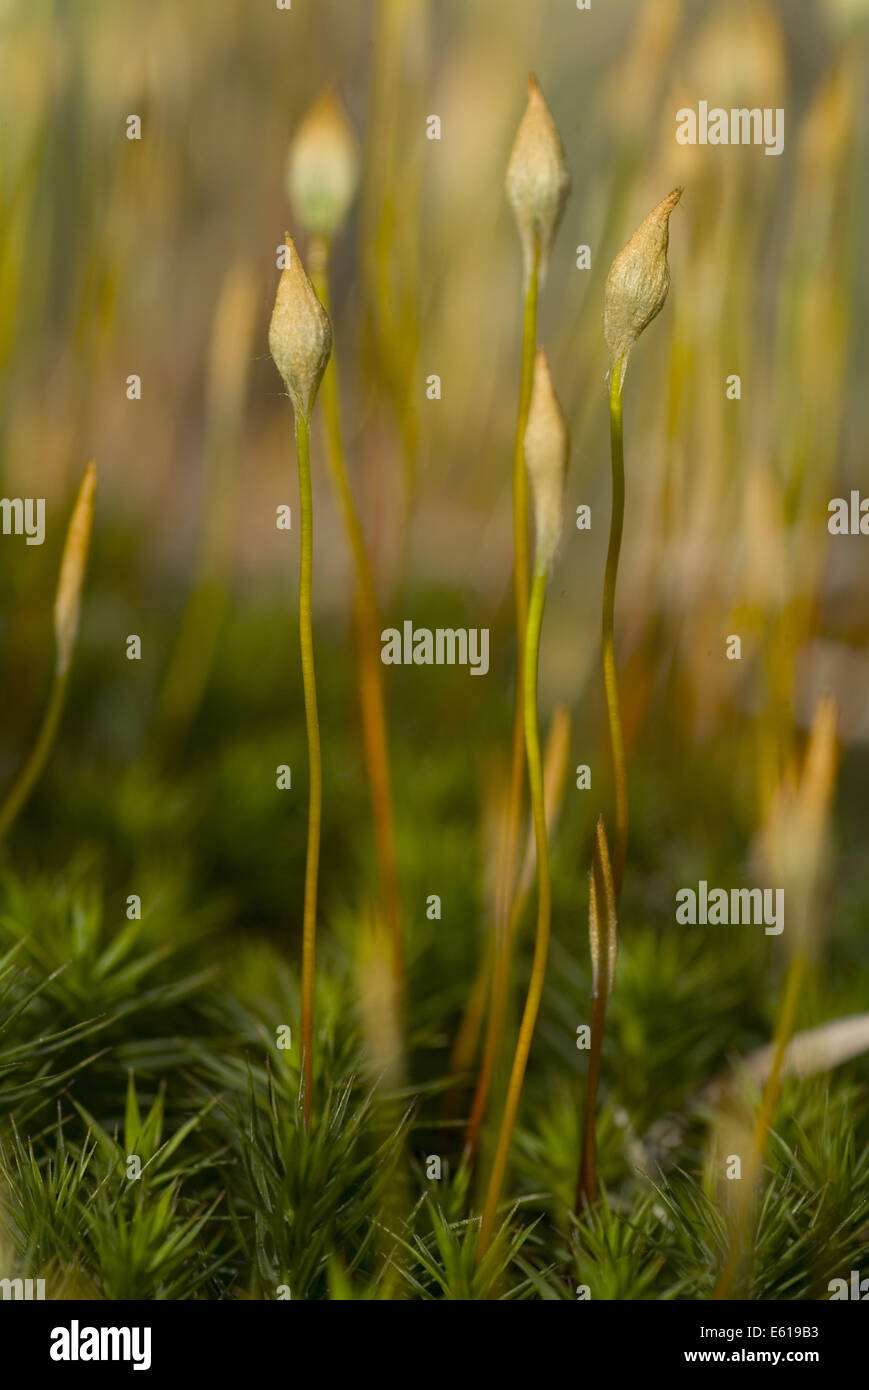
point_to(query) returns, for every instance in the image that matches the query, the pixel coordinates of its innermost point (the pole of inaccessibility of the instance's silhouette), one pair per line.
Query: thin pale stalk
(544, 910)
(554, 776)
(603, 938)
(502, 953)
(507, 873)
(370, 669)
(620, 839)
(521, 580)
(32, 770)
(315, 766)
(521, 542)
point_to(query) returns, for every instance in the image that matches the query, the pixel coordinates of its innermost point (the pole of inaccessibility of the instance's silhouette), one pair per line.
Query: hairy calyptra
(300, 334)
(538, 181)
(546, 448)
(637, 284)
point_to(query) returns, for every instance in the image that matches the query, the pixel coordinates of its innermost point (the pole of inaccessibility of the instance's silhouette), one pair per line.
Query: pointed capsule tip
(67, 602)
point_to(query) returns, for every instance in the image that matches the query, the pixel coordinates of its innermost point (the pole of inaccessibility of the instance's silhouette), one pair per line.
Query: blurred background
(157, 258)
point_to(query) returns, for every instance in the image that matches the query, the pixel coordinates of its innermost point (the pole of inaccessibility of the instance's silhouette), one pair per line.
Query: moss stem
(586, 1191)
(544, 910)
(32, 770)
(315, 767)
(620, 841)
(370, 671)
(507, 859)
